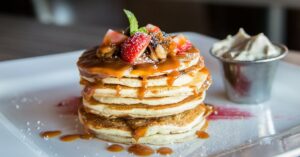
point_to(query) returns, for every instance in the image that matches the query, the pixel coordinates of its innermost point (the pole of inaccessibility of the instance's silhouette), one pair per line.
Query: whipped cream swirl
(244, 47)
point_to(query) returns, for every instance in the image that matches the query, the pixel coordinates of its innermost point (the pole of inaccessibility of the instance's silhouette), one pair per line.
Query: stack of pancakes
(152, 103)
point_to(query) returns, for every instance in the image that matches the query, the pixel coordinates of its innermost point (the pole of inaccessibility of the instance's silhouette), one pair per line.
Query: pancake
(144, 88)
(172, 79)
(91, 66)
(143, 111)
(148, 130)
(200, 82)
(144, 101)
(149, 100)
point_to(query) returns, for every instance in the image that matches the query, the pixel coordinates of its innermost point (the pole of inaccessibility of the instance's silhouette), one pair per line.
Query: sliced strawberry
(184, 47)
(152, 28)
(134, 46)
(113, 37)
(182, 43)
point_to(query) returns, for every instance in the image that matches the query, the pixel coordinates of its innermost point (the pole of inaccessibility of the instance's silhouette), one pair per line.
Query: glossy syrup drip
(195, 90)
(50, 134)
(89, 63)
(69, 138)
(191, 74)
(172, 77)
(148, 69)
(115, 148)
(141, 150)
(139, 132)
(205, 126)
(164, 151)
(202, 134)
(118, 88)
(66, 138)
(142, 90)
(73, 137)
(154, 91)
(92, 66)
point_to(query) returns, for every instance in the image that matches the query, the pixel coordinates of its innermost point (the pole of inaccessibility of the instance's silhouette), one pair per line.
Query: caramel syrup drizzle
(195, 90)
(202, 134)
(115, 148)
(73, 137)
(171, 77)
(50, 134)
(90, 64)
(89, 88)
(148, 69)
(164, 151)
(137, 149)
(66, 138)
(141, 150)
(118, 88)
(69, 138)
(139, 132)
(143, 89)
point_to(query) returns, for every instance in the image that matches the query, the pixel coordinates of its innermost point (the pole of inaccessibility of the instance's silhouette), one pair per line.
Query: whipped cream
(244, 47)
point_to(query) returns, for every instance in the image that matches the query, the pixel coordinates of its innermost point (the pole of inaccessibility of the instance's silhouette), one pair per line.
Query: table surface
(25, 37)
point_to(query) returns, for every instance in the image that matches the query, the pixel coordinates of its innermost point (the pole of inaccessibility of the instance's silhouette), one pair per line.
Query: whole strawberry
(134, 46)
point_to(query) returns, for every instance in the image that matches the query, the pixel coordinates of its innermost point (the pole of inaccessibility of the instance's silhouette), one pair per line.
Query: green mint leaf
(143, 30)
(133, 23)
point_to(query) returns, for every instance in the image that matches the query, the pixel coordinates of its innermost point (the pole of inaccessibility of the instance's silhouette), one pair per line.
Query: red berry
(113, 37)
(134, 46)
(184, 47)
(182, 43)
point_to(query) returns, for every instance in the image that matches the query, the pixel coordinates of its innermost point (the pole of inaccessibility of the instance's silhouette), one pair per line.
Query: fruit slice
(161, 53)
(110, 41)
(152, 28)
(113, 37)
(182, 43)
(134, 46)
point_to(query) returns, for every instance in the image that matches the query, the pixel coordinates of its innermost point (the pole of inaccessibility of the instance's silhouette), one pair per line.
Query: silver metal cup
(250, 81)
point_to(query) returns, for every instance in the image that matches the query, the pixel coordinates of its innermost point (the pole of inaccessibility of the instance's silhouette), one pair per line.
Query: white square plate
(30, 90)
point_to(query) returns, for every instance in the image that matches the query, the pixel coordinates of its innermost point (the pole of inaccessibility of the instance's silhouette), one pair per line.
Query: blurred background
(38, 27)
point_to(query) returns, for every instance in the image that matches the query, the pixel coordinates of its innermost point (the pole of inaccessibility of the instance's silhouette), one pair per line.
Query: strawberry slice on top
(134, 46)
(113, 37)
(182, 43)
